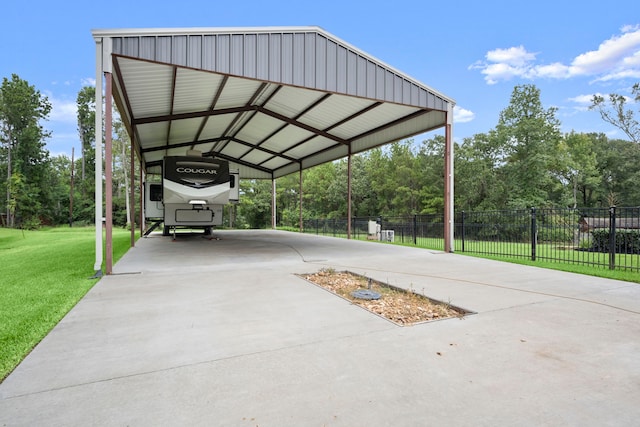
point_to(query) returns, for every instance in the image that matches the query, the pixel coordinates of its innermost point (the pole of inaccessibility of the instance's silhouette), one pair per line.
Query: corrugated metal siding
(308, 59)
(194, 54)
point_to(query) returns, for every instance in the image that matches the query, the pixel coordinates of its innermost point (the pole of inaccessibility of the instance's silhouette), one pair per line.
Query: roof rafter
(193, 115)
(212, 108)
(301, 125)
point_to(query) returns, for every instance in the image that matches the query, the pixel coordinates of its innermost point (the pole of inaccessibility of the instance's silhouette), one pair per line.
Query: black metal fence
(420, 230)
(598, 237)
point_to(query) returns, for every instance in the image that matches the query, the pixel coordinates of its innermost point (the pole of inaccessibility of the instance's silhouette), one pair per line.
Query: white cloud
(460, 115)
(88, 81)
(504, 64)
(555, 71)
(584, 100)
(62, 110)
(515, 56)
(610, 55)
(616, 58)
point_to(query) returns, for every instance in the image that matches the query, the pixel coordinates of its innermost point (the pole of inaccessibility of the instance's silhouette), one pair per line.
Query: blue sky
(472, 51)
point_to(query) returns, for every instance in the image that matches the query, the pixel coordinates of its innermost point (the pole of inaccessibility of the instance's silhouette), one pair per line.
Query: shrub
(626, 241)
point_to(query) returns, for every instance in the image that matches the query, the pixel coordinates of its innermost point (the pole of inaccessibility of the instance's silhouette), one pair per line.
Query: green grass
(582, 262)
(43, 274)
(555, 257)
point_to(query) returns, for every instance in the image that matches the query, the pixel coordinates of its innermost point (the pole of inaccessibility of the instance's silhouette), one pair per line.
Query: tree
(582, 170)
(254, 210)
(378, 169)
(530, 137)
(477, 177)
(615, 112)
(121, 163)
(617, 163)
(288, 199)
(362, 199)
(429, 179)
(86, 115)
(316, 183)
(84, 202)
(22, 108)
(59, 188)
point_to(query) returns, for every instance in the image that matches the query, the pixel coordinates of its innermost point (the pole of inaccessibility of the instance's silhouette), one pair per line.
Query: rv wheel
(207, 231)
(165, 231)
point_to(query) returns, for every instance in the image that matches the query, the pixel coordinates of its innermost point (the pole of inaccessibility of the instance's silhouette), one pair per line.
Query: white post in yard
(97, 267)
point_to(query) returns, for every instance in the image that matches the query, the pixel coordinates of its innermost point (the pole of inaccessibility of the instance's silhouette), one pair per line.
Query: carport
(271, 100)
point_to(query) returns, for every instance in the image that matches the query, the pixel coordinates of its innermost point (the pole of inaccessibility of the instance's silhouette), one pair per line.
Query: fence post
(462, 233)
(612, 238)
(534, 234)
(415, 229)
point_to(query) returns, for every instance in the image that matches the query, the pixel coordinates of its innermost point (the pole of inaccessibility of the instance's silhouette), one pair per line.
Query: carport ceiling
(271, 101)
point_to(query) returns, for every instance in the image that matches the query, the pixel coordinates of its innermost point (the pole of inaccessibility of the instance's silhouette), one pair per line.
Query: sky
(474, 52)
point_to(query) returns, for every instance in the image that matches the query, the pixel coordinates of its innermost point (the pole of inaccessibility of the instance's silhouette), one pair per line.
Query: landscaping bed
(400, 306)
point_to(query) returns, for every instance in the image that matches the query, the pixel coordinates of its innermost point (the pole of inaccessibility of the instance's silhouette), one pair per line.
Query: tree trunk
(83, 156)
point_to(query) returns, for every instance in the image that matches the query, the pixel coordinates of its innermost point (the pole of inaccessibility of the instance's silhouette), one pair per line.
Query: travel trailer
(192, 193)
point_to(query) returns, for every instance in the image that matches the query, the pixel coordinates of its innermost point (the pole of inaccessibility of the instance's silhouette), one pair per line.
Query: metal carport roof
(270, 100)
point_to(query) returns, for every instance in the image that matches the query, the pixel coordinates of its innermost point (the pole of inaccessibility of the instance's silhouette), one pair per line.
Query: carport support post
(349, 194)
(97, 267)
(448, 182)
(273, 203)
(300, 191)
(143, 226)
(108, 185)
(132, 194)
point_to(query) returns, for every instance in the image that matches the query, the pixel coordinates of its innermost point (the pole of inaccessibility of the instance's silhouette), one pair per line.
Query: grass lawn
(548, 256)
(43, 274)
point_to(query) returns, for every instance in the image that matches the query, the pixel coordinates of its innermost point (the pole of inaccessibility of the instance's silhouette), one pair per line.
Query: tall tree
(429, 178)
(477, 176)
(582, 170)
(22, 108)
(316, 184)
(617, 162)
(85, 201)
(254, 210)
(616, 112)
(86, 102)
(121, 162)
(530, 136)
(59, 188)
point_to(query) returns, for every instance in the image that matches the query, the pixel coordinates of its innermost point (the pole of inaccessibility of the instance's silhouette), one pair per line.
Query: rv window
(155, 192)
(232, 181)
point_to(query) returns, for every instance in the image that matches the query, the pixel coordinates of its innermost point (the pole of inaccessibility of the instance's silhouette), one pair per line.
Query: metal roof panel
(262, 97)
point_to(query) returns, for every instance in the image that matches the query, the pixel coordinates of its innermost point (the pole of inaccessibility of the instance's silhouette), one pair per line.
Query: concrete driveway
(221, 332)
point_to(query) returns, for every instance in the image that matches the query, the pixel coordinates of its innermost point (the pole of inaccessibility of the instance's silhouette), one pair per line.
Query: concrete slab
(222, 332)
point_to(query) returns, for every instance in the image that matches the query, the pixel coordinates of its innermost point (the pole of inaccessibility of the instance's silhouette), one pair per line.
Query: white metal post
(98, 168)
(448, 183)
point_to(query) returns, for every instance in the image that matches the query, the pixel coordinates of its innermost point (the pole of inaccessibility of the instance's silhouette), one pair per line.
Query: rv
(192, 193)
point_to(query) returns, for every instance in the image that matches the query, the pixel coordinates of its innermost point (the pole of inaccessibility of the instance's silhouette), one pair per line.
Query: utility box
(387, 235)
(373, 232)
